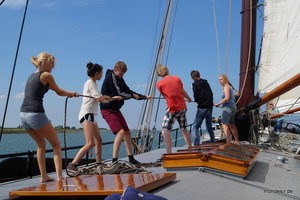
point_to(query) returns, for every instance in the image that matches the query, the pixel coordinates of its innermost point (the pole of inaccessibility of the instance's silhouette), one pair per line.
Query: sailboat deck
(268, 179)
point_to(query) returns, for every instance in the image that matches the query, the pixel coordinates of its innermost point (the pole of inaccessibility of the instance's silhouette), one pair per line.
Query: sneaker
(101, 164)
(72, 167)
(135, 162)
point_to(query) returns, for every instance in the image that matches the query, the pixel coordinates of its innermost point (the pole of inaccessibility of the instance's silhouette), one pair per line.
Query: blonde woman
(33, 117)
(229, 110)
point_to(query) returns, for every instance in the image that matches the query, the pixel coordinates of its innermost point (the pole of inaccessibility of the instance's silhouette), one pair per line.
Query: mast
(247, 66)
(146, 115)
(247, 60)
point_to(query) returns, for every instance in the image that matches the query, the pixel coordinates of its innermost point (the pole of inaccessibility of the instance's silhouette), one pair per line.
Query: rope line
(14, 67)
(217, 36)
(2, 2)
(228, 37)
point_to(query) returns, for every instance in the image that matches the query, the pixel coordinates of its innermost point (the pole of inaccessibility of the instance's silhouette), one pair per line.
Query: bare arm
(47, 78)
(227, 95)
(185, 94)
(103, 98)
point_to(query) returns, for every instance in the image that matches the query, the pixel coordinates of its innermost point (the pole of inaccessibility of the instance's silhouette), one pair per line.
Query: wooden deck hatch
(230, 158)
(93, 186)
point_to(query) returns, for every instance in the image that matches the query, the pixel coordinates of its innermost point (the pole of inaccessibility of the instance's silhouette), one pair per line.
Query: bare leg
(88, 129)
(227, 133)
(187, 137)
(98, 143)
(128, 143)
(168, 140)
(234, 132)
(49, 133)
(41, 155)
(117, 143)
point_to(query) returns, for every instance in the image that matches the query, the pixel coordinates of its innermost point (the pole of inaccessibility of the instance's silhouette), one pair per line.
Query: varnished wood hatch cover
(94, 185)
(232, 158)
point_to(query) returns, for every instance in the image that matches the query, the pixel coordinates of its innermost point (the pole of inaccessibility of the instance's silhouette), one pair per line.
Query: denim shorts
(33, 121)
(228, 115)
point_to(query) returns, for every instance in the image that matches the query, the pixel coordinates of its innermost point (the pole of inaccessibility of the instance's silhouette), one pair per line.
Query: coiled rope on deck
(117, 167)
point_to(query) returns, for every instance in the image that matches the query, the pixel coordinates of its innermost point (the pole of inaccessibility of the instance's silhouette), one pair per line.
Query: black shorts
(89, 117)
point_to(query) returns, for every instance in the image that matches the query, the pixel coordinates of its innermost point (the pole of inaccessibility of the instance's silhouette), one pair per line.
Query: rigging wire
(157, 62)
(165, 63)
(14, 67)
(228, 37)
(171, 34)
(2, 2)
(141, 116)
(217, 36)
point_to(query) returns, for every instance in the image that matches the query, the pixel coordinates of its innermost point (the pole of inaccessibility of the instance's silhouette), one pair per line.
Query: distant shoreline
(58, 130)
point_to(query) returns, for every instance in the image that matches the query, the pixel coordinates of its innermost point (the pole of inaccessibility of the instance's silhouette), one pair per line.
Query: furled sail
(280, 54)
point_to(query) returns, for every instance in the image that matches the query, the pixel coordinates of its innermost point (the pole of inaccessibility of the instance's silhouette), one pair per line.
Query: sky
(106, 31)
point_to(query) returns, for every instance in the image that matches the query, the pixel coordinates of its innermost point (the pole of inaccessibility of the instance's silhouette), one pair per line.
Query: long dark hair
(93, 68)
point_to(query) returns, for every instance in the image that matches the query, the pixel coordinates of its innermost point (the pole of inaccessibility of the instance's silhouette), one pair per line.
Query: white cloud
(2, 96)
(14, 3)
(20, 95)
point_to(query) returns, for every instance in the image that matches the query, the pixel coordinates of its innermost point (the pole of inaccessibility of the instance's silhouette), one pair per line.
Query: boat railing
(173, 131)
(30, 155)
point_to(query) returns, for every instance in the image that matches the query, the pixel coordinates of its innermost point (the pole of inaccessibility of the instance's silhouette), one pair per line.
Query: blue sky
(106, 31)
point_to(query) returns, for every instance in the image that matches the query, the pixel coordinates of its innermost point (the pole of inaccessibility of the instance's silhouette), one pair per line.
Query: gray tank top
(230, 103)
(34, 94)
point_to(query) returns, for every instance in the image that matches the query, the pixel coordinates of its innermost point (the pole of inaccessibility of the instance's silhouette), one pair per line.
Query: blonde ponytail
(42, 57)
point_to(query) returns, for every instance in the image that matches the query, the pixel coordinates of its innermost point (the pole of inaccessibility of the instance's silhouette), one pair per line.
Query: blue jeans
(278, 125)
(202, 114)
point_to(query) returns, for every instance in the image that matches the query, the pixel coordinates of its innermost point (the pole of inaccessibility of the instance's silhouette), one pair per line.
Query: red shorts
(115, 120)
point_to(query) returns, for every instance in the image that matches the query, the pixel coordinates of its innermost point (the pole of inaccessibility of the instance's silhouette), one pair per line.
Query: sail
(280, 54)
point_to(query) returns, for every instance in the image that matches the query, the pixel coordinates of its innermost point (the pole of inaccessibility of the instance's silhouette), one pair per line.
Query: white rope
(228, 37)
(217, 36)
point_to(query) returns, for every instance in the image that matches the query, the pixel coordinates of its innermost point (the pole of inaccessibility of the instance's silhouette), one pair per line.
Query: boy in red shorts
(114, 85)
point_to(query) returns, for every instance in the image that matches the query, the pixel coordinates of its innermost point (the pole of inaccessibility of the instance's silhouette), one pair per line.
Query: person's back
(34, 94)
(171, 88)
(203, 94)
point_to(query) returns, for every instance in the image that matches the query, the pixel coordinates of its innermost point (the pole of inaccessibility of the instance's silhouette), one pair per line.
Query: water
(16, 143)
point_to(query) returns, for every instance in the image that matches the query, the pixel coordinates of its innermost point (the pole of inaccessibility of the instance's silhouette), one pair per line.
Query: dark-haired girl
(89, 108)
